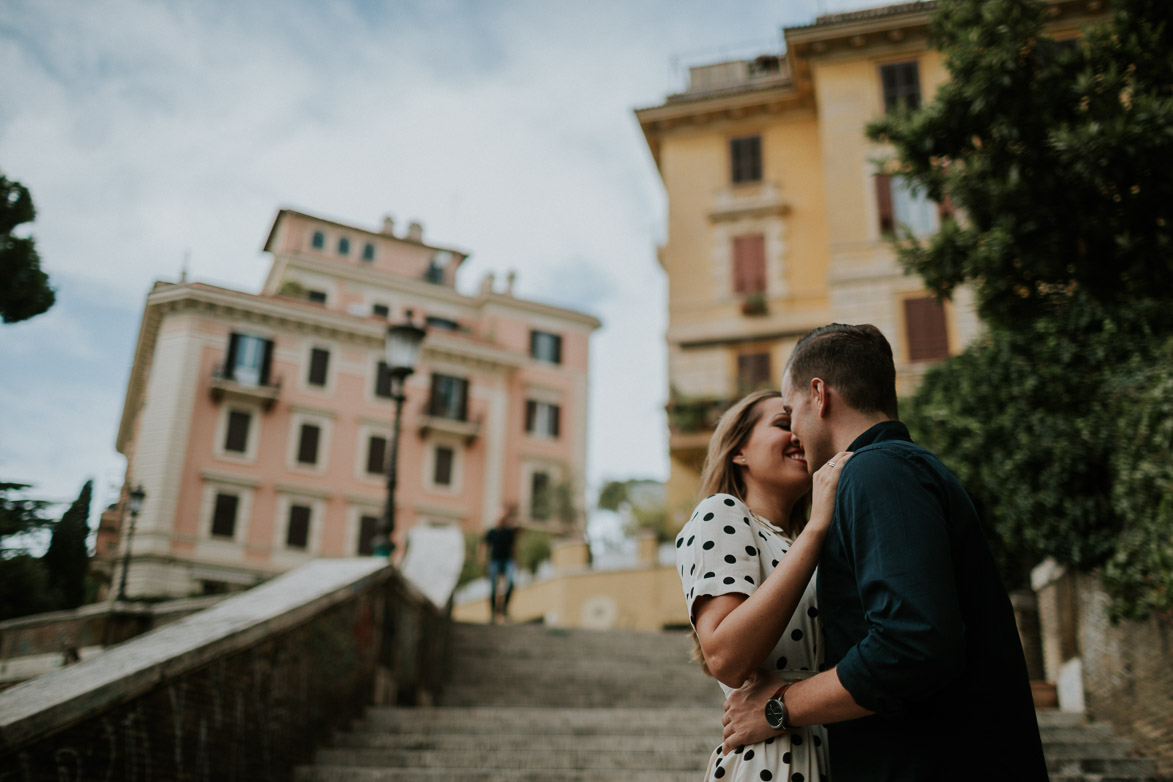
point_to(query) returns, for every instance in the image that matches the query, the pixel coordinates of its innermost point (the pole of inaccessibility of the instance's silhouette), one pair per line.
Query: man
(501, 541)
(925, 679)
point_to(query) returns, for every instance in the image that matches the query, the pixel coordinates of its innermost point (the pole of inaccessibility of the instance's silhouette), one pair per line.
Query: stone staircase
(526, 702)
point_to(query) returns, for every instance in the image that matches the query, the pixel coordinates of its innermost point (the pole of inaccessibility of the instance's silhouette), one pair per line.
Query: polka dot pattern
(724, 549)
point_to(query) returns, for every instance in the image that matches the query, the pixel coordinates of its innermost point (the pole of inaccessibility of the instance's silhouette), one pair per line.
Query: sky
(158, 136)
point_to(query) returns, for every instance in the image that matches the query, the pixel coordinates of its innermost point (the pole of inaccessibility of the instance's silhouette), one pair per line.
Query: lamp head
(403, 347)
(135, 499)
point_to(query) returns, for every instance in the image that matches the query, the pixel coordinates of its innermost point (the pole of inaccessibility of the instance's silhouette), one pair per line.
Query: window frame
(435, 394)
(745, 159)
(898, 92)
(545, 346)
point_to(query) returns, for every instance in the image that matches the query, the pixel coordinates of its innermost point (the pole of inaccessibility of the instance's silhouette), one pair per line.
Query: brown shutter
(307, 449)
(884, 203)
(376, 455)
(749, 264)
(924, 325)
(298, 534)
(753, 371)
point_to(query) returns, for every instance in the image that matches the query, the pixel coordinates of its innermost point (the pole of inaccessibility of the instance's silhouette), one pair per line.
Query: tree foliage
(67, 560)
(1056, 155)
(24, 288)
(19, 514)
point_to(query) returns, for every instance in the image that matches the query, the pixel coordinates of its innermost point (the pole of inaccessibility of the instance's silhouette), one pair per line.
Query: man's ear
(819, 397)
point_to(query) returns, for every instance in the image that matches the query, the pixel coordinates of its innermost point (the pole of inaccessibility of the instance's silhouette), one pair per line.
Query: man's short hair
(854, 360)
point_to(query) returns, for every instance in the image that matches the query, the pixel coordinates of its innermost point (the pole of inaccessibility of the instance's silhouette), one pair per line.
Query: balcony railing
(224, 387)
(430, 421)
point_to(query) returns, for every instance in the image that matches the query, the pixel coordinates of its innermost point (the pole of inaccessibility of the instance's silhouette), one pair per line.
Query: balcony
(432, 422)
(758, 199)
(223, 388)
(691, 421)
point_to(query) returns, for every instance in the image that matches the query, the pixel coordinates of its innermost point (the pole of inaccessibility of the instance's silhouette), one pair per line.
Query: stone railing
(244, 690)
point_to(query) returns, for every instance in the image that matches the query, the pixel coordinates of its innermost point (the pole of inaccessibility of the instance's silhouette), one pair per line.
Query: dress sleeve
(716, 553)
(897, 541)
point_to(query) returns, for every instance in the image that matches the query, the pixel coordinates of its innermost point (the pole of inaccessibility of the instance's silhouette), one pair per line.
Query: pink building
(259, 424)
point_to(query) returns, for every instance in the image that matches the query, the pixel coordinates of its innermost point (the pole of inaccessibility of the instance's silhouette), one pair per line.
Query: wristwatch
(777, 717)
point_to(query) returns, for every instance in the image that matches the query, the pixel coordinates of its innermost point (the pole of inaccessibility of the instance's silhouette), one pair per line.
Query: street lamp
(134, 501)
(403, 353)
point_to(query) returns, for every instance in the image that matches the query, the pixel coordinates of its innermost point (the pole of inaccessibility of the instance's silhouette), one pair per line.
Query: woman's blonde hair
(721, 476)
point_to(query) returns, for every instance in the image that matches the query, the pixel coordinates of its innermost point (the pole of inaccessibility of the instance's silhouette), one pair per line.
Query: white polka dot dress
(724, 549)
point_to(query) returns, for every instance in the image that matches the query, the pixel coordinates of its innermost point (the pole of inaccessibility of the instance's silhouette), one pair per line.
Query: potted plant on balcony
(754, 304)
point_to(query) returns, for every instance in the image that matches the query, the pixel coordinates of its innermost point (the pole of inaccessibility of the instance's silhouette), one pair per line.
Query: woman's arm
(736, 632)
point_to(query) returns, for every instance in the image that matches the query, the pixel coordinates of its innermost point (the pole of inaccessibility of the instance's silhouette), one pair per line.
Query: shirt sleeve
(716, 552)
(896, 536)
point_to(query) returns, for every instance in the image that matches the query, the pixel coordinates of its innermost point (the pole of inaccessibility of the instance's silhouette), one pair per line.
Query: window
(745, 159)
(434, 272)
(368, 526)
(545, 346)
(318, 297)
(436, 322)
(383, 380)
(236, 439)
(368, 252)
(901, 84)
(539, 498)
(442, 472)
(224, 515)
(319, 240)
(449, 397)
(248, 359)
(898, 204)
(307, 446)
(343, 246)
(380, 310)
(319, 364)
(297, 535)
(541, 418)
(749, 264)
(753, 371)
(924, 325)
(376, 455)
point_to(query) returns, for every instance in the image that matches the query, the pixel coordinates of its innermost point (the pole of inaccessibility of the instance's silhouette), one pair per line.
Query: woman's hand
(745, 713)
(826, 480)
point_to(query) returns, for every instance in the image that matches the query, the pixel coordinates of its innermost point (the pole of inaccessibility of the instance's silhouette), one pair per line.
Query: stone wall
(1127, 673)
(243, 691)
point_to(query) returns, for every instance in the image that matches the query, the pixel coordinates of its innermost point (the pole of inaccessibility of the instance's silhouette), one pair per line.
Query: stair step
(1115, 767)
(685, 721)
(523, 759)
(517, 742)
(356, 774)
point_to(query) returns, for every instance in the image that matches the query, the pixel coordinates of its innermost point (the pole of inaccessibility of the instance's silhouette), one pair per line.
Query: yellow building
(779, 211)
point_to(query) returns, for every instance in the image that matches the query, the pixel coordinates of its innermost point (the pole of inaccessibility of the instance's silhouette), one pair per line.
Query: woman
(746, 573)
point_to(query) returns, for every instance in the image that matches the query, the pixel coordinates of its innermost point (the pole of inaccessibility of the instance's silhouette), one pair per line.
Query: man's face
(806, 425)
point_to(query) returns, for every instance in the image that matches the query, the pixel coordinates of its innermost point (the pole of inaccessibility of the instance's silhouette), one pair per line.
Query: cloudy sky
(151, 131)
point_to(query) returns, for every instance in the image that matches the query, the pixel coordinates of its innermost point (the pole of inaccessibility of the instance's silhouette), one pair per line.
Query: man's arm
(818, 700)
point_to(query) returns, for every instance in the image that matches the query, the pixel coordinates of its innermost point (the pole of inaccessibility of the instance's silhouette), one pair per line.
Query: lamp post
(134, 501)
(403, 352)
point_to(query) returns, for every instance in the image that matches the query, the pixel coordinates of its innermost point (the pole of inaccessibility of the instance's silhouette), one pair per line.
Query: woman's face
(772, 458)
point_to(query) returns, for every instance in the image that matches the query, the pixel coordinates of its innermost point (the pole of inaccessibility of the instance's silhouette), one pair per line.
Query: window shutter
(749, 264)
(442, 476)
(377, 455)
(884, 203)
(230, 361)
(224, 516)
(367, 527)
(266, 362)
(237, 438)
(319, 364)
(531, 414)
(924, 324)
(462, 386)
(557, 357)
(307, 451)
(753, 371)
(383, 380)
(298, 533)
(555, 424)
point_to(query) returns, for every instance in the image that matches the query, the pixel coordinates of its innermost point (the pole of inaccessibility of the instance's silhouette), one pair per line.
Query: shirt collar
(885, 430)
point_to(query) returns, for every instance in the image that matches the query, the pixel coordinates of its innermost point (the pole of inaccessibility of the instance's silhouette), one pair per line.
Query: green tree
(1055, 155)
(24, 587)
(67, 560)
(19, 514)
(24, 288)
(641, 504)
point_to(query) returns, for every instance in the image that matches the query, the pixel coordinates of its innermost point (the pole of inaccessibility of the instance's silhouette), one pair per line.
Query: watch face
(775, 713)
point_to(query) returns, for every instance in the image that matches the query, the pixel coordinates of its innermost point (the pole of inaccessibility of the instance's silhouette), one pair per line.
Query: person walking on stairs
(501, 543)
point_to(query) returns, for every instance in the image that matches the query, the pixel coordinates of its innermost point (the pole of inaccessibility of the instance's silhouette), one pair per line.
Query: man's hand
(745, 712)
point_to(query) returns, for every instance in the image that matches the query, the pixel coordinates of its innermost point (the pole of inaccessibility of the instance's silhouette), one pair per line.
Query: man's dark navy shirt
(917, 620)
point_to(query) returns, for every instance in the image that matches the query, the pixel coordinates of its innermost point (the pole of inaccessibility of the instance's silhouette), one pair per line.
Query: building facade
(780, 212)
(259, 425)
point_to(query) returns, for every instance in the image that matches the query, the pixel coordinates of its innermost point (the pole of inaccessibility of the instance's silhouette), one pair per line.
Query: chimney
(415, 231)
(510, 278)
(389, 225)
(487, 284)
